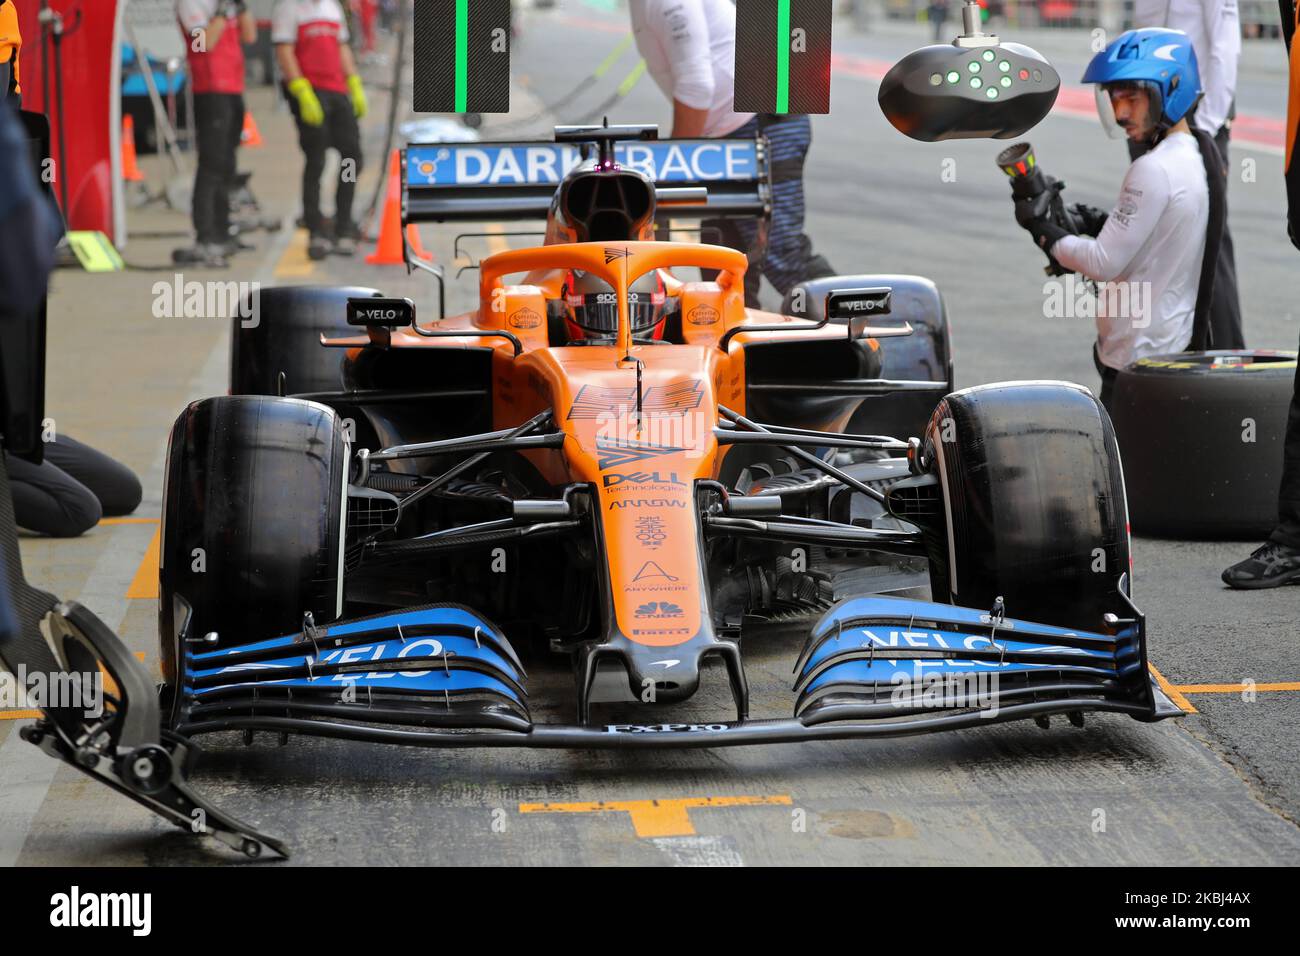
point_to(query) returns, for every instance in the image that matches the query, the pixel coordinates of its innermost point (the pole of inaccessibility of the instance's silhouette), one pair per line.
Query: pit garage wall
(92, 106)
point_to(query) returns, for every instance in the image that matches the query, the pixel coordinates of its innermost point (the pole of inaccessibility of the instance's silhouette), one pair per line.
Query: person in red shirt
(215, 31)
(366, 12)
(327, 99)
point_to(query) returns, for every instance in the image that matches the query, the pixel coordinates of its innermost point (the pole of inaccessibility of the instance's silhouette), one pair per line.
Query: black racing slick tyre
(278, 333)
(1033, 501)
(1202, 435)
(253, 522)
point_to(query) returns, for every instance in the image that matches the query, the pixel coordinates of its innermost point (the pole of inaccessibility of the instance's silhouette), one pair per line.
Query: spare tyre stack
(1201, 436)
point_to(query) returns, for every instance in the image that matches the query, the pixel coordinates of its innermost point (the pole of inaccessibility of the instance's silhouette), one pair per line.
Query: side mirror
(385, 313)
(858, 308)
(380, 316)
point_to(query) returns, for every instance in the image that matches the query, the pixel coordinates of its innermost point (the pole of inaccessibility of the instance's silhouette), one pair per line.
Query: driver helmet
(591, 306)
(1159, 61)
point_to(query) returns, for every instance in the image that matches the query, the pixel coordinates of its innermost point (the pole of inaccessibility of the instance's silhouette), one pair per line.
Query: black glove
(1033, 214)
(1045, 217)
(1089, 218)
(1045, 233)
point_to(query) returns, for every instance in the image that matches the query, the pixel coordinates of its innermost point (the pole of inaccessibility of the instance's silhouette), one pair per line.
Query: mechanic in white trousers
(689, 47)
(1214, 27)
(1148, 249)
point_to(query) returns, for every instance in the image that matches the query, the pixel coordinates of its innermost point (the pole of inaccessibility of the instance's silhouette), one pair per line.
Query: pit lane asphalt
(1218, 787)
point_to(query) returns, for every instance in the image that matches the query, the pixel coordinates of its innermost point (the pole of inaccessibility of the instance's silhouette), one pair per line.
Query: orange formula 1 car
(612, 466)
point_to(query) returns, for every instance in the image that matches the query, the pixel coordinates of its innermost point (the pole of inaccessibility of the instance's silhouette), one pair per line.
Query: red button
(1024, 74)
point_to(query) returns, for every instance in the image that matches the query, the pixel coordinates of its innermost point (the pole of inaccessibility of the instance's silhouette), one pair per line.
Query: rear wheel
(253, 522)
(1034, 502)
(925, 355)
(281, 337)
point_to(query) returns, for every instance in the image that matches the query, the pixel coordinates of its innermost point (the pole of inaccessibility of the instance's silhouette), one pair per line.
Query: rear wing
(487, 182)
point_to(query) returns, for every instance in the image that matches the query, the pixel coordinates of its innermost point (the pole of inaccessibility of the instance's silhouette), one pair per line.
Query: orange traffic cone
(413, 240)
(249, 135)
(130, 169)
(388, 250)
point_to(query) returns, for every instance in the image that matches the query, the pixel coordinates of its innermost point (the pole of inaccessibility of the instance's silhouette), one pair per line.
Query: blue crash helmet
(1163, 61)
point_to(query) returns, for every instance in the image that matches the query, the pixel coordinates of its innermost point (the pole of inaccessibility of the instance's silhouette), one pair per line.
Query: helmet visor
(1130, 90)
(596, 313)
(1106, 111)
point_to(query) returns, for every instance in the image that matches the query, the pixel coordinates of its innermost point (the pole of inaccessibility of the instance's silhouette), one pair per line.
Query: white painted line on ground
(27, 776)
(700, 850)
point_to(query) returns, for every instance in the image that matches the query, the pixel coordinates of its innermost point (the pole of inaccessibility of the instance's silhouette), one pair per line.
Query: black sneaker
(1271, 566)
(318, 247)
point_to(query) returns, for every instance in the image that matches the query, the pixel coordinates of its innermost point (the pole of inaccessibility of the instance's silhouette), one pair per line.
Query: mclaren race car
(552, 519)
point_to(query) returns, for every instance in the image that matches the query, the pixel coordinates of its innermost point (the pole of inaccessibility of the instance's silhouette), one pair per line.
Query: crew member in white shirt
(1214, 27)
(1150, 246)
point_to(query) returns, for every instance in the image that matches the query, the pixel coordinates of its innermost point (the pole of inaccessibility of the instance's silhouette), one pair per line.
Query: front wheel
(1034, 504)
(253, 522)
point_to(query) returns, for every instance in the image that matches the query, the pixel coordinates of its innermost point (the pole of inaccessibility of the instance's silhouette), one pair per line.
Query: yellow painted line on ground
(109, 685)
(113, 521)
(614, 54)
(145, 582)
(1234, 688)
(1183, 703)
(632, 79)
(657, 818)
(294, 264)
